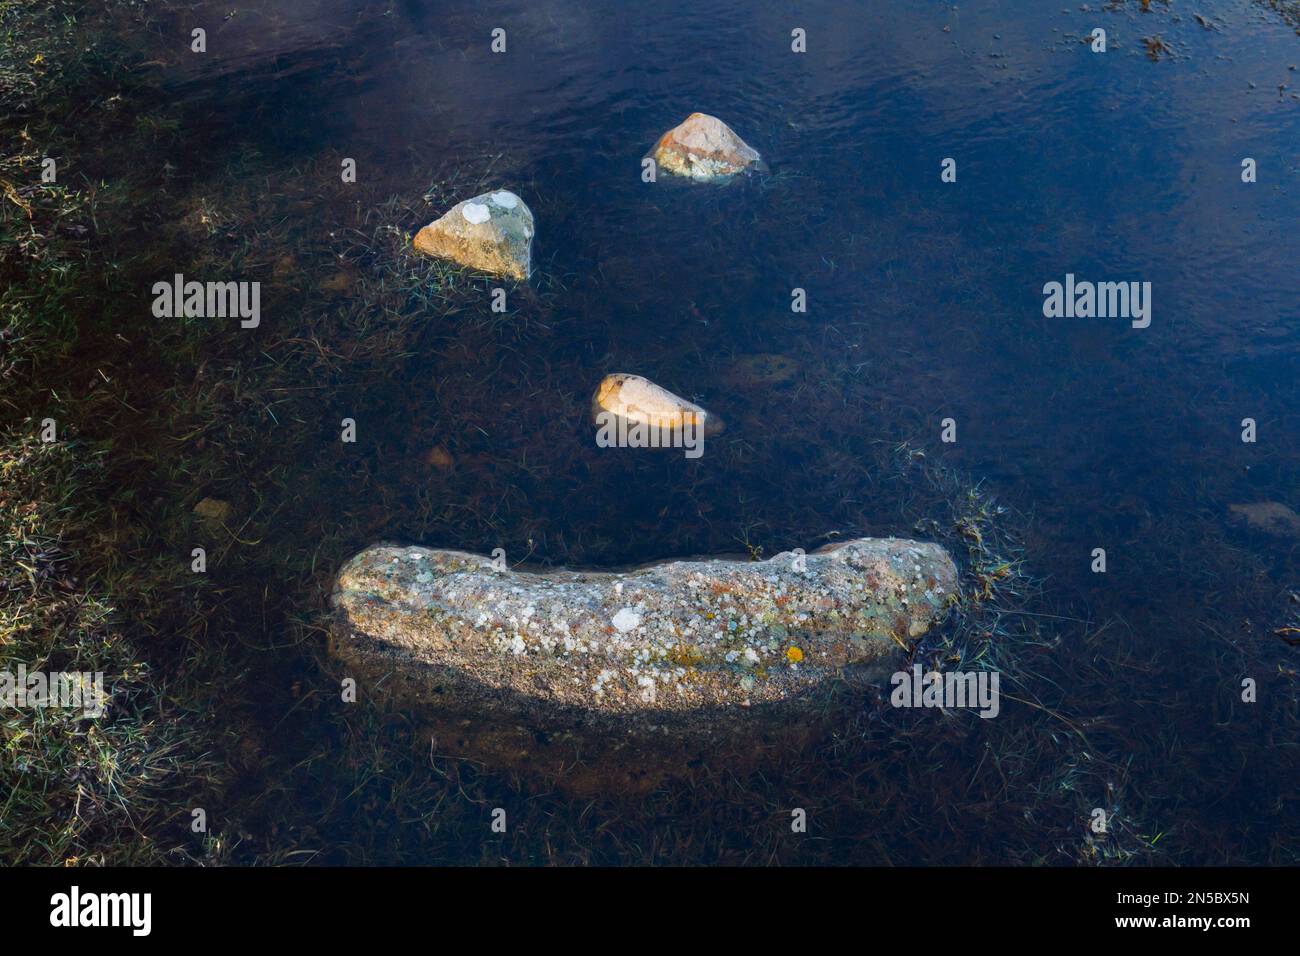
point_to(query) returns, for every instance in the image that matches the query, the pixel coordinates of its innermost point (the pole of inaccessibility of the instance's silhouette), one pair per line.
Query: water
(925, 303)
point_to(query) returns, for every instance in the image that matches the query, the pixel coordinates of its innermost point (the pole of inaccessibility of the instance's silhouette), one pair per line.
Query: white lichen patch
(506, 200)
(627, 619)
(648, 689)
(475, 213)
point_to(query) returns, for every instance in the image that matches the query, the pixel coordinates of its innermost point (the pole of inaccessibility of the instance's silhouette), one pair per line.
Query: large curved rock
(632, 671)
(492, 233)
(705, 149)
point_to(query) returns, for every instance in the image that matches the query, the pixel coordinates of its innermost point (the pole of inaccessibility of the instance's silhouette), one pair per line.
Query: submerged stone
(492, 233)
(639, 401)
(761, 370)
(1271, 517)
(705, 149)
(634, 672)
(213, 511)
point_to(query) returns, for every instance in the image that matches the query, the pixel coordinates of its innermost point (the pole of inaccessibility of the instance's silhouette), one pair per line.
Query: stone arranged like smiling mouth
(699, 637)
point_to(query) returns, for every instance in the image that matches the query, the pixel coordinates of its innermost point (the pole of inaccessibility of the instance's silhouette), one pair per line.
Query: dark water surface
(925, 302)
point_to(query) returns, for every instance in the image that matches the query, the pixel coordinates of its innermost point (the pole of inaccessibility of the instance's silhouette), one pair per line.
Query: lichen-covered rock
(492, 233)
(638, 400)
(632, 669)
(705, 149)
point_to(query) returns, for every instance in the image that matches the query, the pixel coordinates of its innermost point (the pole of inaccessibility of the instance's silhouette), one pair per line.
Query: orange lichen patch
(685, 655)
(794, 655)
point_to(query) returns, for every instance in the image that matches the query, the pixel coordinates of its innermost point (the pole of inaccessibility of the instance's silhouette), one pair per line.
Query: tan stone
(212, 511)
(492, 233)
(705, 149)
(639, 400)
(439, 457)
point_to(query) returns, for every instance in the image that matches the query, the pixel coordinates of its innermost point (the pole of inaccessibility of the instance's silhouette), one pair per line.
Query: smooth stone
(439, 457)
(761, 370)
(492, 233)
(1271, 517)
(638, 400)
(632, 674)
(705, 149)
(213, 511)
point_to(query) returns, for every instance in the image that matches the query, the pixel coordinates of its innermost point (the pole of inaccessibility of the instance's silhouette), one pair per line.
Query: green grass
(80, 789)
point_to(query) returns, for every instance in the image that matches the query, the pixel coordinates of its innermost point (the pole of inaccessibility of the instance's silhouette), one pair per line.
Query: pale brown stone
(639, 400)
(705, 149)
(492, 233)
